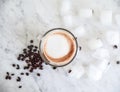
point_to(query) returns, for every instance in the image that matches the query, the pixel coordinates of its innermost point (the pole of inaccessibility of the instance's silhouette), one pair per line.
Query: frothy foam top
(57, 46)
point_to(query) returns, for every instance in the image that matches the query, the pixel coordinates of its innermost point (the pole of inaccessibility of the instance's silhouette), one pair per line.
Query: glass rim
(40, 49)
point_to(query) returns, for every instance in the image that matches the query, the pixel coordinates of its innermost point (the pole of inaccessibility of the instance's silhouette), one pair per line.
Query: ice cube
(95, 44)
(96, 69)
(79, 31)
(112, 37)
(68, 20)
(66, 7)
(117, 19)
(106, 17)
(101, 53)
(94, 73)
(85, 13)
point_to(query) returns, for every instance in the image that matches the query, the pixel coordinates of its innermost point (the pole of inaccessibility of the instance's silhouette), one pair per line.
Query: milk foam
(57, 46)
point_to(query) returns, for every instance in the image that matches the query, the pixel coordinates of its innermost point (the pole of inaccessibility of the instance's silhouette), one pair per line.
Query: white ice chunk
(112, 37)
(117, 19)
(66, 7)
(106, 17)
(96, 69)
(77, 71)
(95, 44)
(85, 13)
(94, 73)
(101, 54)
(68, 20)
(79, 31)
(102, 64)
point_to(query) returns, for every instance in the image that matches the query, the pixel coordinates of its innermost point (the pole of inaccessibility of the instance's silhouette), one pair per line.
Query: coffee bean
(25, 67)
(7, 73)
(35, 50)
(54, 67)
(31, 70)
(118, 62)
(115, 46)
(22, 73)
(6, 77)
(80, 48)
(9, 77)
(13, 65)
(38, 74)
(12, 74)
(24, 50)
(20, 87)
(18, 58)
(18, 67)
(27, 74)
(69, 71)
(31, 41)
(36, 47)
(18, 79)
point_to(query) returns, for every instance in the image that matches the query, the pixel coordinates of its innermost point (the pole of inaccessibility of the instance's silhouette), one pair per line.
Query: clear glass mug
(41, 47)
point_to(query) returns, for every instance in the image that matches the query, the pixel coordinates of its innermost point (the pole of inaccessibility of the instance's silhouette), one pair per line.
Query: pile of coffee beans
(31, 57)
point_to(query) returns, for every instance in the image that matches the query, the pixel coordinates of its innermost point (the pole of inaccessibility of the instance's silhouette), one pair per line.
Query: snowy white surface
(23, 20)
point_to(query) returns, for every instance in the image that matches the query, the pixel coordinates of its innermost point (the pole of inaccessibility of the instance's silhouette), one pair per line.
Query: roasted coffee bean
(54, 67)
(115, 46)
(13, 65)
(20, 87)
(38, 74)
(7, 73)
(12, 74)
(27, 74)
(22, 73)
(31, 41)
(69, 71)
(18, 79)
(118, 62)
(18, 67)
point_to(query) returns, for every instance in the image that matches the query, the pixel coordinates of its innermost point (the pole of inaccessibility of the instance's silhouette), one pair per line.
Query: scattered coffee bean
(12, 74)
(108, 63)
(7, 73)
(24, 50)
(38, 74)
(54, 67)
(69, 71)
(18, 58)
(20, 87)
(34, 50)
(6, 77)
(80, 48)
(36, 47)
(9, 77)
(118, 62)
(31, 41)
(27, 74)
(18, 79)
(18, 67)
(115, 46)
(13, 65)
(22, 73)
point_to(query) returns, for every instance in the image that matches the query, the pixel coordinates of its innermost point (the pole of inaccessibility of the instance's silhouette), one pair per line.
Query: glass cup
(41, 46)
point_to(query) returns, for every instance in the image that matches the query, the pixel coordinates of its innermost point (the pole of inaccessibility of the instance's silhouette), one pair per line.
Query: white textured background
(22, 20)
